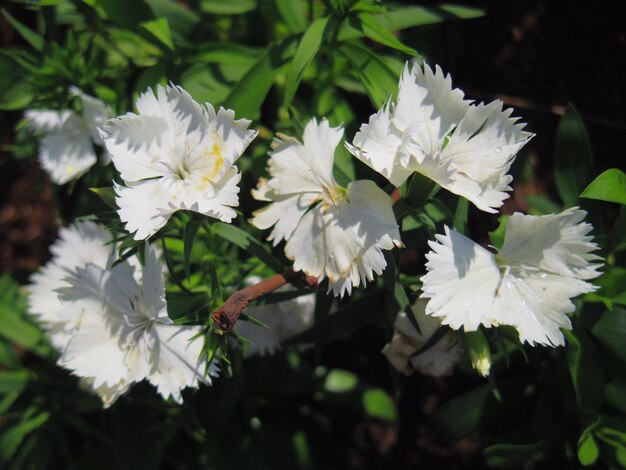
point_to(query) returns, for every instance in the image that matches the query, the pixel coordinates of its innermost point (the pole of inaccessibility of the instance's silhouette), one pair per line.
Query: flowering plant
(297, 244)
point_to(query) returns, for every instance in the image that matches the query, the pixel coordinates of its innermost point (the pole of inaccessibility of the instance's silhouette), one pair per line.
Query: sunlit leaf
(609, 186)
(305, 53)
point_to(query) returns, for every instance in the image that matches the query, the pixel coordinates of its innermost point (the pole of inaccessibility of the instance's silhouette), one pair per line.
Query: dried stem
(227, 315)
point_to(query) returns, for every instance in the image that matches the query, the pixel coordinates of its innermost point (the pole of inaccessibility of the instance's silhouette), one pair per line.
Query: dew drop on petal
(498, 149)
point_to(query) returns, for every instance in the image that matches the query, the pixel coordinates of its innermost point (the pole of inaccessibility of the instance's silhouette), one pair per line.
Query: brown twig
(229, 312)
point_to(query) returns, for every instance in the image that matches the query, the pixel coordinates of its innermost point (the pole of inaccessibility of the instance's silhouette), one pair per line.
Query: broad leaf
(609, 186)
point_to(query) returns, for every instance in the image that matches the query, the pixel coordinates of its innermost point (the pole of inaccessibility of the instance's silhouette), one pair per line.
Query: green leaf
(340, 381)
(134, 47)
(30, 36)
(541, 205)
(610, 330)
(587, 375)
(17, 96)
(232, 54)
(371, 27)
(460, 215)
(118, 12)
(379, 80)
(514, 455)
(247, 242)
(379, 404)
(609, 186)
(11, 439)
(17, 329)
(160, 29)
(13, 381)
(347, 319)
(392, 284)
(410, 17)
(191, 229)
(497, 236)
(181, 20)
(420, 188)
(229, 7)
(294, 12)
(305, 53)
(323, 304)
(107, 195)
(587, 449)
(572, 157)
(610, 434)
(463, 414)
(249, 93)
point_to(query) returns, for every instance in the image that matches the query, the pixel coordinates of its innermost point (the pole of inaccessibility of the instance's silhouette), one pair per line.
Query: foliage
(279, 63)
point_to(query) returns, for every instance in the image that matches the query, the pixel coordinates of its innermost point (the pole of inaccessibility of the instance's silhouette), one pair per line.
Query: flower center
(331, 196)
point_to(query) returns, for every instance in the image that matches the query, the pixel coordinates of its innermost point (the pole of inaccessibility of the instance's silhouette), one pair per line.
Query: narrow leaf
(379, 80)
(572, 157)
(249, 93)
(306, 52)
(413, 16)
(107, 195)
(30, 36)
(230, 7)
(160, 29)
(191, 229)
(347, 319)
(460, 216)
(294, 12)
(247, 242)
(371, 27)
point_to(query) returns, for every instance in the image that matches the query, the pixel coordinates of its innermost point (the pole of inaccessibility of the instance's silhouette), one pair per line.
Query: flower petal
(536, 304)
(175, 360)
(377, 145)
(461, 282)
(144, 206)
(67, 154)
(428, 103)
(137, 145)
(557, 243)
(481, 149)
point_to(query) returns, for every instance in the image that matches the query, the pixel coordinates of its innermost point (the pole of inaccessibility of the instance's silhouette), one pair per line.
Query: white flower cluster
(66, 151)
(402, 352)
(545, 261)
(110, 323)
(332, 232)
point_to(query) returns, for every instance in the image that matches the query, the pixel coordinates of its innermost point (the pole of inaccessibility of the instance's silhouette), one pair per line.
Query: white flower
(175, 154)
(465, 148)
(120, 333)
(66, 151)
(284, 320)
(78, 245)
(544, 262)
(437, 361)
(330, 231)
